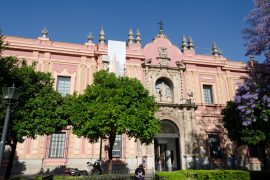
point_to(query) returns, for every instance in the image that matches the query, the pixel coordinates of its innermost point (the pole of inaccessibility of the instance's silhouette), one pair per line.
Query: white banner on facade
(117, 56)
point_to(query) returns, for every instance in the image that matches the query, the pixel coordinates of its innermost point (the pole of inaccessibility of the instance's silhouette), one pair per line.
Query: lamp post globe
(10, 99)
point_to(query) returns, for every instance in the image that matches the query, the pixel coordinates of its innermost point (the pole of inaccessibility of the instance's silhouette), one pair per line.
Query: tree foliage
(253, 99)
(255, 134)
(8, 65)
(39, 104)
(257, 34)
(114, 105)
(247, 117)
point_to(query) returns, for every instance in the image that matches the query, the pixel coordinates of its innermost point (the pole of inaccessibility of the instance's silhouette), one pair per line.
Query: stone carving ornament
(163, 52)
(163, 56)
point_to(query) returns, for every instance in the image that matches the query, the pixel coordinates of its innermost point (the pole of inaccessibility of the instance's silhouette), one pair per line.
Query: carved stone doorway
(167, 149)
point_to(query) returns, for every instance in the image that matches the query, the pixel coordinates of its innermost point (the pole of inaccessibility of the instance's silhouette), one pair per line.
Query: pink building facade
(190, 89)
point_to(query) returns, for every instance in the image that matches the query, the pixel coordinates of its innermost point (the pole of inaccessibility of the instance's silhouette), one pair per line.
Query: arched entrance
(167, 150)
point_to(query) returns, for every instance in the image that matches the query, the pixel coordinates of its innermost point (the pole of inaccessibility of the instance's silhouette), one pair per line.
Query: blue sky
(206, 21)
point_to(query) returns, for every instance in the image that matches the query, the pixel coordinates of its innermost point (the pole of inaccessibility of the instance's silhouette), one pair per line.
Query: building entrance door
(166, 145)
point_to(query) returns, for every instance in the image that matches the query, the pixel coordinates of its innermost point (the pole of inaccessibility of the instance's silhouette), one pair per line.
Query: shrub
(169, 175)
(205, 174)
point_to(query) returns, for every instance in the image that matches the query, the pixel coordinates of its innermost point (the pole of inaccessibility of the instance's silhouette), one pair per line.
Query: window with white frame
(57, 145)
(117, 147)
(208, 94)
(63, 85)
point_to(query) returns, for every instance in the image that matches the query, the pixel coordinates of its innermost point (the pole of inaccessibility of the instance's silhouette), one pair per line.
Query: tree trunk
(100, 150)
(11, 158)
(111, 142)
(264, 158)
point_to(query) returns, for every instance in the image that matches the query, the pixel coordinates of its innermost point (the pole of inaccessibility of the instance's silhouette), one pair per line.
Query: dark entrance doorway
(166, 145)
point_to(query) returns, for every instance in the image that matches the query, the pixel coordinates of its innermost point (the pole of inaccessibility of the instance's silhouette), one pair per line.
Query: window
(57, 146)
(63, 85)
(207, 94)
(117, 147)
(214, 146)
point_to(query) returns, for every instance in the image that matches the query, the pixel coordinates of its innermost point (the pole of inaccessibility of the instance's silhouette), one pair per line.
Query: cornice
(223, 64)
(48, 46)
(203, 62)
(174, 105)
(53, 50)
(137, 56)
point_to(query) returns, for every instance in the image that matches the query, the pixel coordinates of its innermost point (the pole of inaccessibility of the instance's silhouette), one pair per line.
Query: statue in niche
(163, 91)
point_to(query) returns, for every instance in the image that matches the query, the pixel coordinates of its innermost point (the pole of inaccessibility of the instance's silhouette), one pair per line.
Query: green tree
(114, 105)
(39, 107)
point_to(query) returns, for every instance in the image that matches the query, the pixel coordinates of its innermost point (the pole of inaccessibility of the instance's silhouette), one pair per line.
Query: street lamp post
(10, 97)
